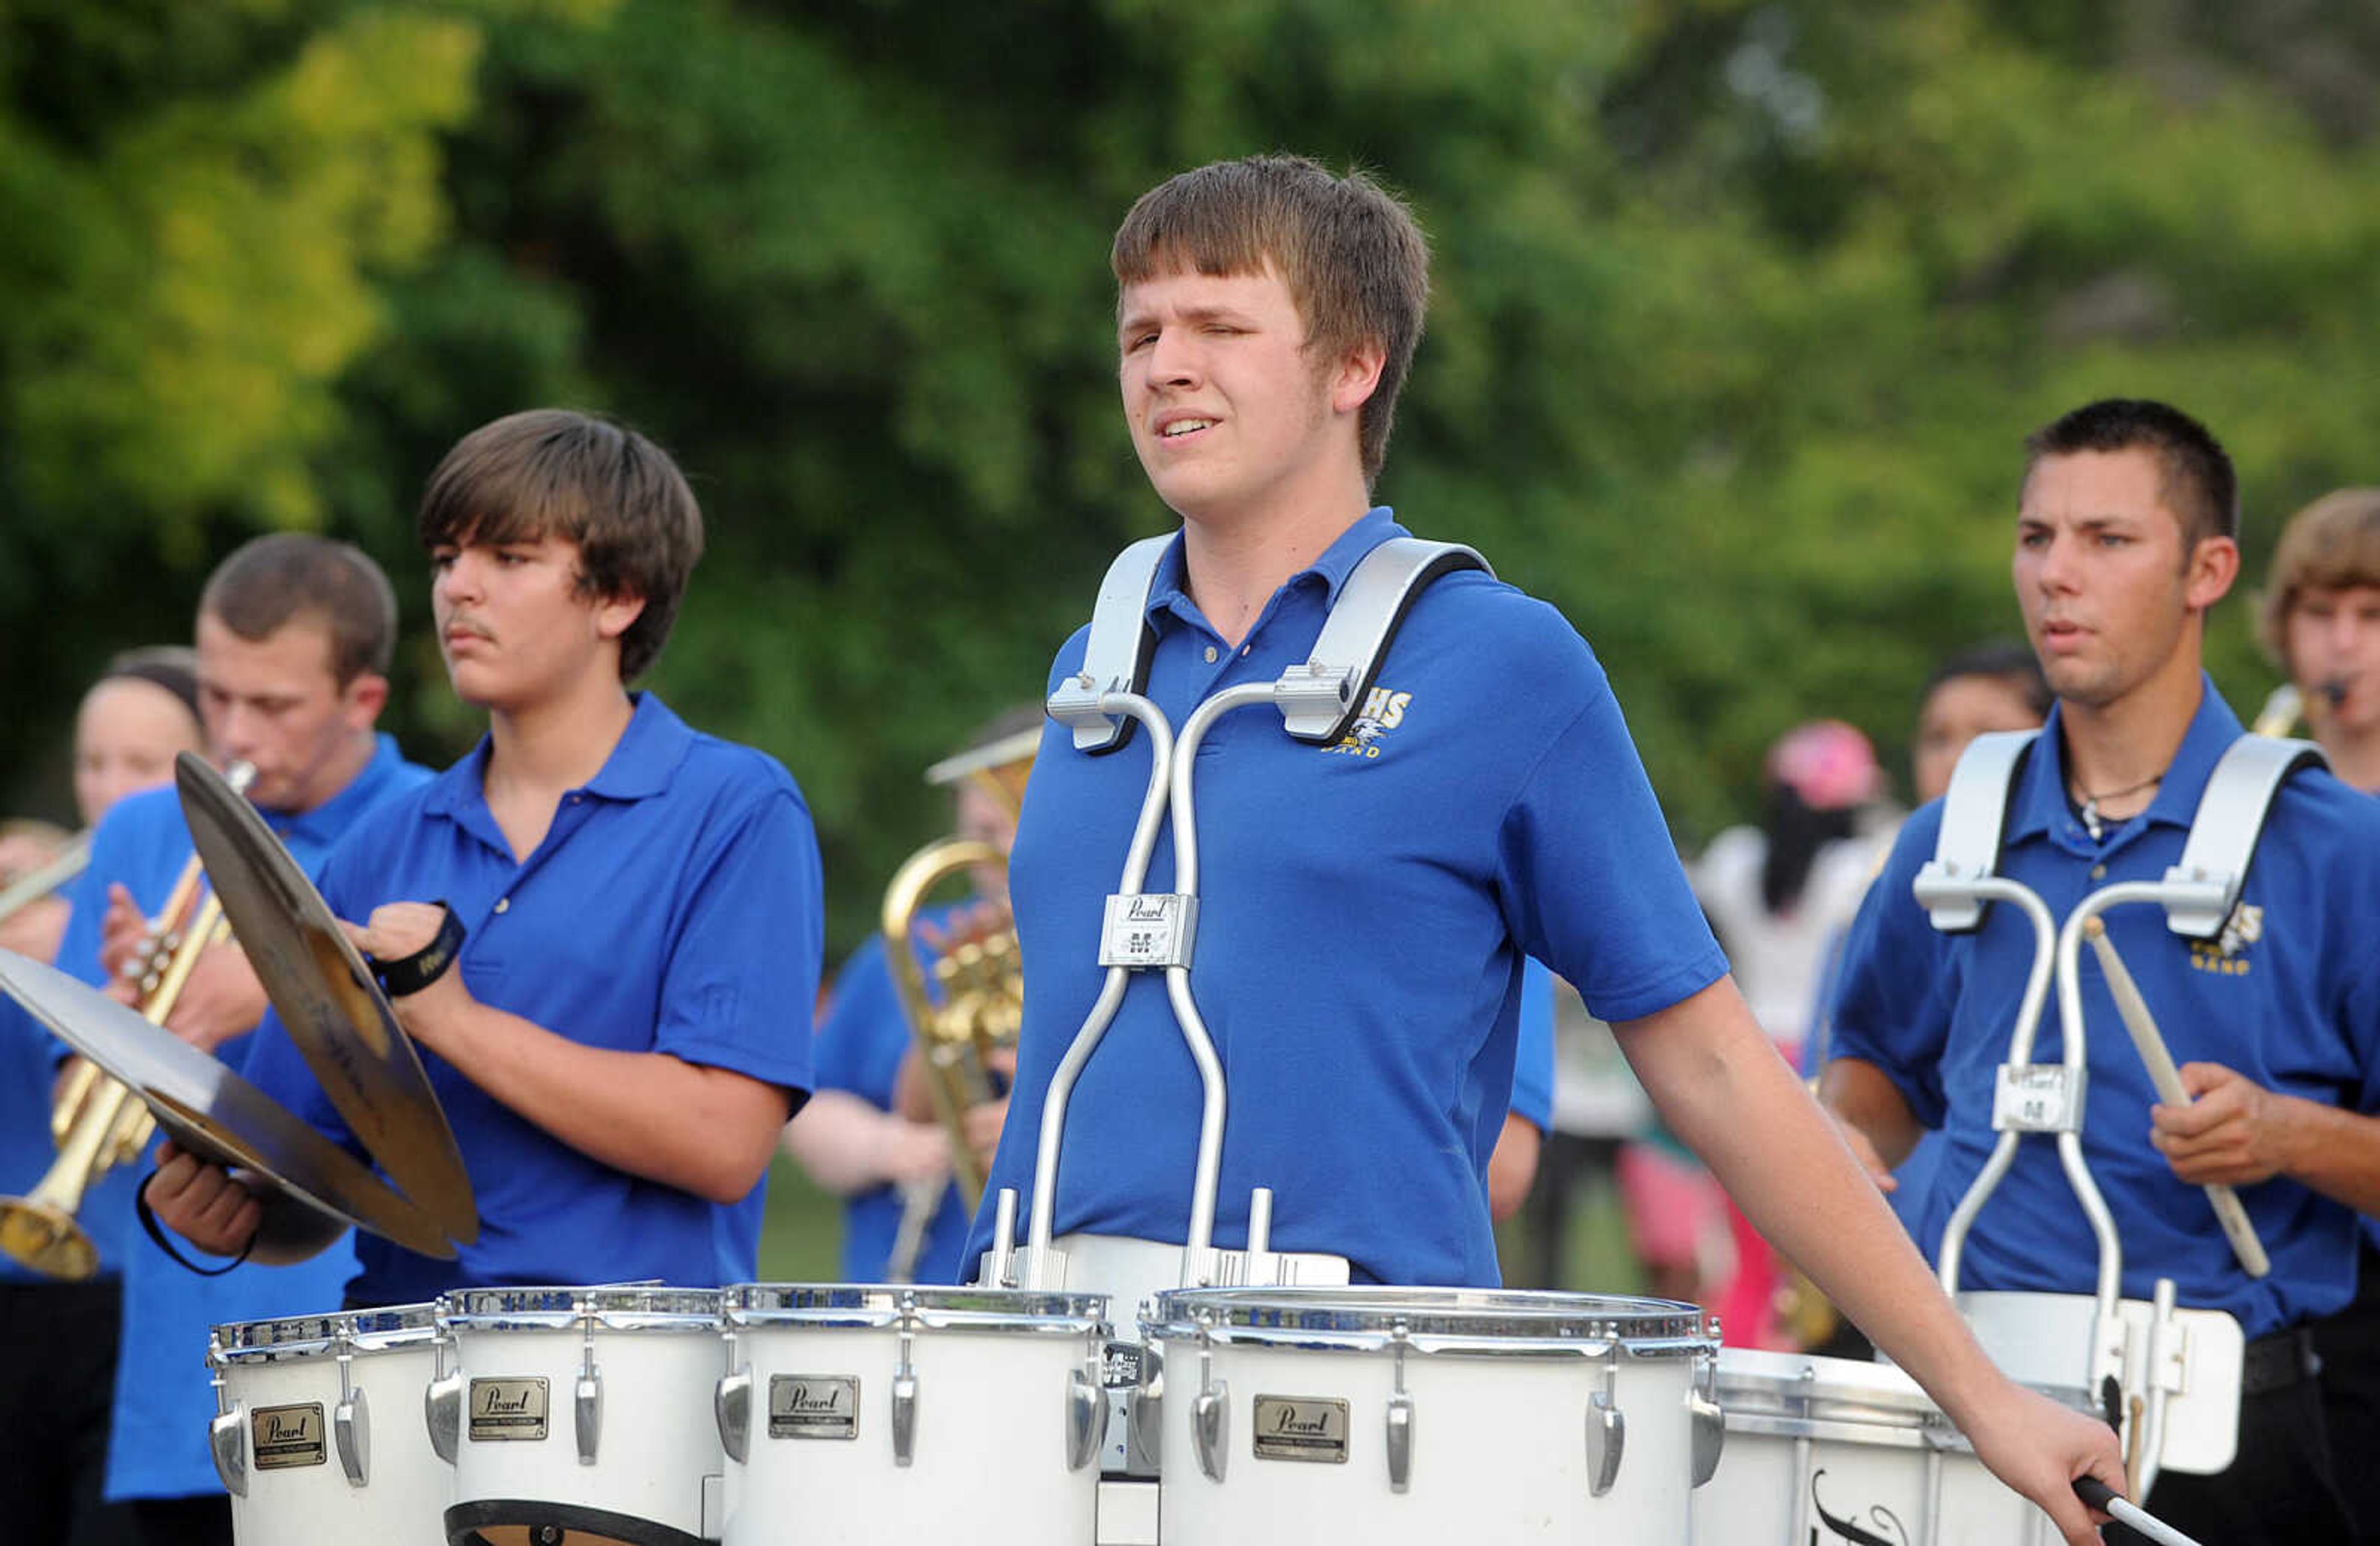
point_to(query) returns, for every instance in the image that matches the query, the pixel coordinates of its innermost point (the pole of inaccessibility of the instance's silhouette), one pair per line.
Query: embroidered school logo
(1384, 710)
(2228, 954)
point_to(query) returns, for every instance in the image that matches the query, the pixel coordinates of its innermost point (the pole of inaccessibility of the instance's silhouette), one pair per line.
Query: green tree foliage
(1742, 310)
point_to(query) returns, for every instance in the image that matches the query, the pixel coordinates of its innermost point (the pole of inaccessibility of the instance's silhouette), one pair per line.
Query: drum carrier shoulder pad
(2223, 831)
(1372, 604)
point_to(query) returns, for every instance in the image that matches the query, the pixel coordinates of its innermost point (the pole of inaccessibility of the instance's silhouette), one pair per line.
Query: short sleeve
(741, 984)
(1892, 1004)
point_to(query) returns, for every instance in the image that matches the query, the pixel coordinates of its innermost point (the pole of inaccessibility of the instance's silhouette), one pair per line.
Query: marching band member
(1368, 906)
(883, 1135)
(54, 1410)
(624, 1031)
(294, 633)
(2319, 619)
(2125, 538)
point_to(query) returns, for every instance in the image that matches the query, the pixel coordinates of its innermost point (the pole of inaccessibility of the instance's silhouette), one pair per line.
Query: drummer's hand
(122, 931)
(202, 1204)
(221, 999)
(401, 929)
(1863, 1149)
(2039, 1448)
(2234, 1132)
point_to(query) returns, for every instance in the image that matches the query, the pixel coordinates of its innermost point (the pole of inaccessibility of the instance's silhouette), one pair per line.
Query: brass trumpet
(96, 1122)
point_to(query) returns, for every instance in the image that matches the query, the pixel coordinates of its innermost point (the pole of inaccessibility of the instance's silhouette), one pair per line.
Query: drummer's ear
(363, 699)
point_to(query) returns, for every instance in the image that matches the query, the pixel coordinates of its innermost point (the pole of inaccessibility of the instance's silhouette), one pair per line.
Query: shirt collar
(334, 815)
(2040, 805)
(1377, 525)
(641, 762)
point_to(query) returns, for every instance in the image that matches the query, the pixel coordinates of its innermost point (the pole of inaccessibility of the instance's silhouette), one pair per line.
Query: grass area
(801, 1240)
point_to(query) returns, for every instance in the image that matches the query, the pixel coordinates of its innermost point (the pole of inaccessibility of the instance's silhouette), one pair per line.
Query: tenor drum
(1425, 1415)
(319, 1434)
(581, 1417)
(1836, 1450)
(859, 1414)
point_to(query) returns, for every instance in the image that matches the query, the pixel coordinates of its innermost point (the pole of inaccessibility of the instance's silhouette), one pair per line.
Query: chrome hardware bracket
(1087, 1414)
(1606, 1433)
(588, 1399)
(905, 1387)
(351, 1424)
(1210, 1418)
(1399, 1417)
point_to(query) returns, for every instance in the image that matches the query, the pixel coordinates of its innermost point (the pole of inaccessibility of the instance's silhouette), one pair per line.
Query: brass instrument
(95, 1121)
(978, 1003)
(2281, 711)
(47, 880)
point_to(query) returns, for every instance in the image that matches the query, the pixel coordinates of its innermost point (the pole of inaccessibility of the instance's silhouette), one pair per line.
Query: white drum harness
(2178, 1367)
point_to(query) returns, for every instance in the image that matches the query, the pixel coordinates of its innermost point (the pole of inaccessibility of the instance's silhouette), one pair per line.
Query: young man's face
(275, 703)
(2333, 640)
(2106, 588)
(514, 628)
(1231, 414)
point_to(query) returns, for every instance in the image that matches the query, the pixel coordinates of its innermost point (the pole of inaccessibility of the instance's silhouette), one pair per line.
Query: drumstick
(2099, 1496)
(2167, 1080)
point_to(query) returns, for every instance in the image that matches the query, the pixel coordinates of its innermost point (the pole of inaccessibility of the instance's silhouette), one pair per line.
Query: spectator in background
(1777, 895)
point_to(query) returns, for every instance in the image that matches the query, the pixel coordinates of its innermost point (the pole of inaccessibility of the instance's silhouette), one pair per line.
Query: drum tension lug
(1399, 1417)
(1210, 1418)
(904, 1390)
(351, 1423)
(1709, 1424)
(226, 1439)
(732, 1408)
(1607, 1432)
(589, 1403)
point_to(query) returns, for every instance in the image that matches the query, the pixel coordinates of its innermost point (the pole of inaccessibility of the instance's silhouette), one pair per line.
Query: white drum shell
(657, 1452)
(1499, 1442)
(1859, 1440)
(406, 1488)
(988, 1460)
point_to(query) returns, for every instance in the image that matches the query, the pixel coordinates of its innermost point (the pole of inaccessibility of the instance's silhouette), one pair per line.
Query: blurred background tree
(1742, 310)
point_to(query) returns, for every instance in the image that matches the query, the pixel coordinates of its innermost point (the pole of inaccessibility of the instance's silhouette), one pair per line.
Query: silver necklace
(2091, 821)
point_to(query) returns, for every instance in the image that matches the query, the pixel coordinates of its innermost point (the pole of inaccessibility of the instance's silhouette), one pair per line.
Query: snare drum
(319, 1434)
(1821, 1447)
(580, 1415)
(858, 1414)
(1425, 1415)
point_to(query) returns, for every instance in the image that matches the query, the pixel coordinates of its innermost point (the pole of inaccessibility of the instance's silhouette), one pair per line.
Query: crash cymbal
(328, 1000)
(214, 1112)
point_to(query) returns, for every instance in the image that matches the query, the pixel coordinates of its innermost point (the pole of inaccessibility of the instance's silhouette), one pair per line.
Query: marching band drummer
(54, 1410)
(624, 1028)
(294, 633)
(2125, 538)
(2319, 619)
(1365, 917)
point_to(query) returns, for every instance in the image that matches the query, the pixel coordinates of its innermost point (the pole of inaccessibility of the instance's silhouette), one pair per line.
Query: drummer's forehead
(505, 529)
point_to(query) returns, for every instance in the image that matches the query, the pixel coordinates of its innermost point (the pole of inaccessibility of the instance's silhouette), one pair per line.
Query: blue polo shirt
(157, 1447)
(1365, 908)
(859, 1047)
(2291, 1002)
(674, 907)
